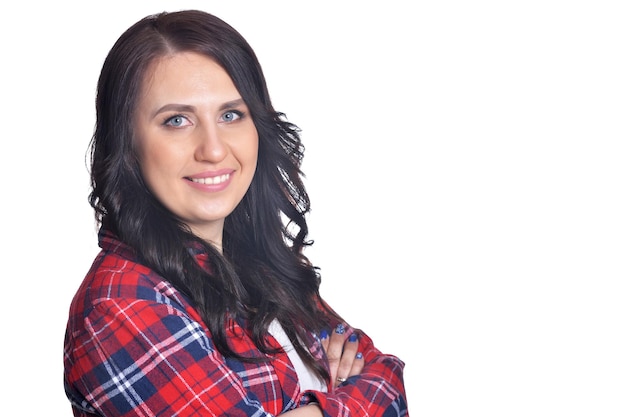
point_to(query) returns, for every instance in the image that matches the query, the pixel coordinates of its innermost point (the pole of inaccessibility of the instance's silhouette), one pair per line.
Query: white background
(466, 164)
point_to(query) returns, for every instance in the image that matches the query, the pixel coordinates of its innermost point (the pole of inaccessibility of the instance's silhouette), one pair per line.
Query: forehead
(180, 63)
(184, 74)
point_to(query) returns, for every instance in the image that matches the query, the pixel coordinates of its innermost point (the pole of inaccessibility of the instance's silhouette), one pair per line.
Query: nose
(210, 146)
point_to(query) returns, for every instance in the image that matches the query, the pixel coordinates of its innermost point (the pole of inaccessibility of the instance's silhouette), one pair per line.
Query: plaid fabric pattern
(134, 346)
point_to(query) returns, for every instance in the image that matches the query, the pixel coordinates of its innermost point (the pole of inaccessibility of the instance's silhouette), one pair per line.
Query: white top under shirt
(307, 379)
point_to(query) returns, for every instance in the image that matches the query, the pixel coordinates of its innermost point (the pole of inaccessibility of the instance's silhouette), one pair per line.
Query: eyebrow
(188, 108)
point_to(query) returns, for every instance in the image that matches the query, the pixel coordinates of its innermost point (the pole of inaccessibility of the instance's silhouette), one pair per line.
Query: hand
(344, 357)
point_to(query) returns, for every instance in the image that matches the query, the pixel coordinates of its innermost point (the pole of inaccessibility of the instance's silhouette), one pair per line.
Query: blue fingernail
(359, 355)
(323, 334)
(340, 329)
(353, 337)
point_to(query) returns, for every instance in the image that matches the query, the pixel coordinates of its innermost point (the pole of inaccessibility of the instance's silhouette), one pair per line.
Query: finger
(324, 339)
(335, 349)
(357, 364)
(335, 342)
(350, 350)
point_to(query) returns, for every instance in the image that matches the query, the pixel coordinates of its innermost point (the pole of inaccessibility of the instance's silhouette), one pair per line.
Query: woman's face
(196, 141)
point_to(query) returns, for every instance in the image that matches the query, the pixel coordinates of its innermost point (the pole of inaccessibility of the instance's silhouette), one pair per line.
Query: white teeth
(211, 180)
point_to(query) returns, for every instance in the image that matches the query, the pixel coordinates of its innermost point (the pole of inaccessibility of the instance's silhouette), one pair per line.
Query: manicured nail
(340, 329)
(323, 334)
(359, 355)
(353, 337)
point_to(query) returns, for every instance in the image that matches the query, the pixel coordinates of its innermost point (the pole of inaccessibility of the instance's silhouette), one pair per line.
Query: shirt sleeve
(144, 358)
(377, 391)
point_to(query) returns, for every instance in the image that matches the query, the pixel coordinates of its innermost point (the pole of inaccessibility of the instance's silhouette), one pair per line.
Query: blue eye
(175, 121)
(231, 116)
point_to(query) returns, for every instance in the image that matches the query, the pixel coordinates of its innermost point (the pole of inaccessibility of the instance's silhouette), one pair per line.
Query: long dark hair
(263, 273)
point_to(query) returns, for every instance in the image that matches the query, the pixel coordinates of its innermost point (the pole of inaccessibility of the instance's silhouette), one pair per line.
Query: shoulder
(118, 275)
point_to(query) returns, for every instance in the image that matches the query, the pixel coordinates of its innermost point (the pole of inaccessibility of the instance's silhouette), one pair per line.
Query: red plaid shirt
(135, 346)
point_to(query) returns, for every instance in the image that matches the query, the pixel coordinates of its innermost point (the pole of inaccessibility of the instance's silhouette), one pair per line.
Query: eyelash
(238, 113)
(168, 121)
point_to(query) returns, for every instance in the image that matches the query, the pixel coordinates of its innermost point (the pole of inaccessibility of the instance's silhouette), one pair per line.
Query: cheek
(141, 149)
(156, 161)
(254, 152)
(253, 155)
(246, 151)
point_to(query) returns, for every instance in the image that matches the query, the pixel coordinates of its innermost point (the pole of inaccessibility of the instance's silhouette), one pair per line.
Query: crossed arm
(345, 361)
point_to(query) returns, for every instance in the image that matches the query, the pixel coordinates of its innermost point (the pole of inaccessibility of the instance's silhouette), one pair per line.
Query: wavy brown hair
(263, 273)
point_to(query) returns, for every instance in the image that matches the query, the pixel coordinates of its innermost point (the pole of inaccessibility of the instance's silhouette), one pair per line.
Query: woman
(201, 301)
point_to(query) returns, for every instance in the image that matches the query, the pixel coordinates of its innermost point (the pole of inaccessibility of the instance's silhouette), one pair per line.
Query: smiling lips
(211, 180)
